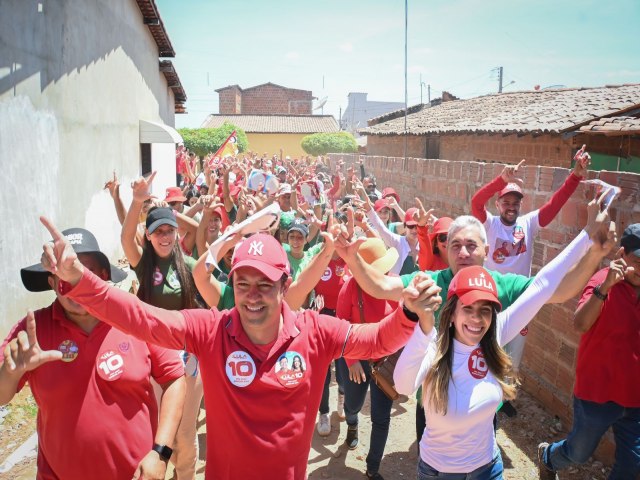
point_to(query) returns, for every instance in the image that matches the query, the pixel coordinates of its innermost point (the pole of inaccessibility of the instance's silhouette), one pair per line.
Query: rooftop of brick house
(613, 126)
(541, 111)
(261, 85)
(275, 123)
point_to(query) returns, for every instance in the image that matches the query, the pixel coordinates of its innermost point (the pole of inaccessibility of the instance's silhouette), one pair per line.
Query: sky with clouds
(334, 47)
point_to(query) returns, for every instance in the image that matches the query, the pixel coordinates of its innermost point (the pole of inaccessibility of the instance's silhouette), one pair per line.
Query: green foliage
(323, 143)
(203, 141)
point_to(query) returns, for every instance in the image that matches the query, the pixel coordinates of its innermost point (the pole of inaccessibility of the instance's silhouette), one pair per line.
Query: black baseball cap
(160, 216)
(299, 226)
(35, 278)
(631, 239)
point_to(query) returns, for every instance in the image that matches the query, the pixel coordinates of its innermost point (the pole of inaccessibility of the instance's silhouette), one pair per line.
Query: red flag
(228, 149)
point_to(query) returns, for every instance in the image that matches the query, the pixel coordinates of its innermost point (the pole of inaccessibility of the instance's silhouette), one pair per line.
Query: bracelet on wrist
(598, 294)
(409, 314)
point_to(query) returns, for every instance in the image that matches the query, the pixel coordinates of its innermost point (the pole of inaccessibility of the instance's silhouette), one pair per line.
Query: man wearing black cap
(606, 392)
(91, 383)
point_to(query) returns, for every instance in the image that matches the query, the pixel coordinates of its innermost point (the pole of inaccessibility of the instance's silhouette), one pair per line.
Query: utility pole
(406, 96)
(499, 79)
(340, 118)
(429, 93)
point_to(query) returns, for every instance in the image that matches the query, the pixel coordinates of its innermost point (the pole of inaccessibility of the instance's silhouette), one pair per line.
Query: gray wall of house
(359, 110)
(75, 79)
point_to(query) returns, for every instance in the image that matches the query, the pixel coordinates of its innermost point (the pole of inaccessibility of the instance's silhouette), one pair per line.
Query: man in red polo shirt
(97, 412)
(258, 423)
(606, 392)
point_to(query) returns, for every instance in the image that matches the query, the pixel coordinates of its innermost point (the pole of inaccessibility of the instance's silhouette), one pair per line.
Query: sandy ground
(328, 459)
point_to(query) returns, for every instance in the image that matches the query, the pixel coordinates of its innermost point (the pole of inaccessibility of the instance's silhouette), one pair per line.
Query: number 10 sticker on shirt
(290, 369)
(110, 365)
(240, 368)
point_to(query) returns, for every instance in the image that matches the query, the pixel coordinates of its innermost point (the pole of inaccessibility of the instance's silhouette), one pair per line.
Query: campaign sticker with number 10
(240, 368)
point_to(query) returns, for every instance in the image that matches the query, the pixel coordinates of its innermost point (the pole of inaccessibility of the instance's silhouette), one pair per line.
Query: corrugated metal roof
(544, 111)
(275, 123)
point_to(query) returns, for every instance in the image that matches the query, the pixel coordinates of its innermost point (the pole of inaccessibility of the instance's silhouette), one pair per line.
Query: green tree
(203, 141)
(323, 143)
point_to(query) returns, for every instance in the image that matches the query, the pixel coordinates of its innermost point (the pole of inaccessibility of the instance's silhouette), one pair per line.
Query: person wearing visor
(78, 369)
(463, 369)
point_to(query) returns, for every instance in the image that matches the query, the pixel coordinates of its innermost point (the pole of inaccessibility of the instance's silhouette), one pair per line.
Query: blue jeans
(490, 471)
(590, 421)
(354, 396)
(324, 402)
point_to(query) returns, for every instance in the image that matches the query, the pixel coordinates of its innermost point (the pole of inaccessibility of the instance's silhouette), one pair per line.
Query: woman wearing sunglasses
(463, 369)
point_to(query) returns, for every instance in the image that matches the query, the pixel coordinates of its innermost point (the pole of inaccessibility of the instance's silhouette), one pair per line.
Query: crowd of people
(343, 279)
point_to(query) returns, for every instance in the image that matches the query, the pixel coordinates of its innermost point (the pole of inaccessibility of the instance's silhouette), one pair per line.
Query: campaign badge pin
(158, 278)
(240, 368)
(478, 367)
(110, 365)
(290, 369)
(69, 350)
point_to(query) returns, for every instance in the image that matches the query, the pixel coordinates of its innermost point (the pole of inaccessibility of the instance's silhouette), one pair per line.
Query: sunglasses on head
(442, 237)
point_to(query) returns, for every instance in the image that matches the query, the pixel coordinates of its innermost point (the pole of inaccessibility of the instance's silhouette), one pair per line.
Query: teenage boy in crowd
(97, 413)
(257, 420)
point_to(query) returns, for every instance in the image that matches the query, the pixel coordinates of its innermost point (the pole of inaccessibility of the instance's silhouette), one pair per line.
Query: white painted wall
(80, 76)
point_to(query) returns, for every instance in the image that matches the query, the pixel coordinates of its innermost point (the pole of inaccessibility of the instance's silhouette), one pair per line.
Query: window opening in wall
(145, 159)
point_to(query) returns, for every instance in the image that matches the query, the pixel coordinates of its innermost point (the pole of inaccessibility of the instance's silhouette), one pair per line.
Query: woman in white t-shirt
(464, 371)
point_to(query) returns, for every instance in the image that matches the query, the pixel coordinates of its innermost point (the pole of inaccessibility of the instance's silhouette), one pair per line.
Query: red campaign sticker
(240, 368)
(110, 365)
(290, 369)
(518, 232)
(339, 270)
(326, 276)
(477, 365)
(69, 350)
(524, 331)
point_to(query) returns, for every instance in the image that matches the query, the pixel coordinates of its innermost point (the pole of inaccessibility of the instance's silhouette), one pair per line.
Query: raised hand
(422, 297)
(23, 354)
(423, 216)
(58, 257)
(510, 172)
(113, 186)
(582, 162)
(618, 268)
(141, 187)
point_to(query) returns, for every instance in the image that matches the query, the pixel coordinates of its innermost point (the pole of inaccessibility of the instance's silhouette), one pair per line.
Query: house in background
(359, 110)
(271, 133)
(83, 92)
(543, 126)
(265, 99)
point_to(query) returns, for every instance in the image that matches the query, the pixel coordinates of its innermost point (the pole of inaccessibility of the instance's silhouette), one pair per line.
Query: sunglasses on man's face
(175, 204)
(442, 237)
(411, 227)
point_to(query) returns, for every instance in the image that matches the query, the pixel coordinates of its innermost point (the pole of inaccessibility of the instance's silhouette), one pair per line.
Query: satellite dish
(321, 103)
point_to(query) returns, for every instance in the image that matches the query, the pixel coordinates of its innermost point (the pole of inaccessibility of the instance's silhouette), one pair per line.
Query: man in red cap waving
(263, 366)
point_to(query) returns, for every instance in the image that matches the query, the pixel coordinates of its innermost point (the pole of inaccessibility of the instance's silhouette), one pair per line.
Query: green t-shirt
(299, 264)
(227, 300)
(166, 291)
(510, 286)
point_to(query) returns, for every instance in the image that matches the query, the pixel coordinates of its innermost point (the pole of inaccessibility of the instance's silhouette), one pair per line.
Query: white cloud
(346, 47)
(292, 55)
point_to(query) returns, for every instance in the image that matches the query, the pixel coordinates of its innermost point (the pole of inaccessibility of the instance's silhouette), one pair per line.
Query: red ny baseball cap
(474, 283)
(511, 188)
(262, 252)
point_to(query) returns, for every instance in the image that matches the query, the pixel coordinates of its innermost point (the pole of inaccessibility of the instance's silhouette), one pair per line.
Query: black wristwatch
(164, 451)
(599, 294)
(413, 316)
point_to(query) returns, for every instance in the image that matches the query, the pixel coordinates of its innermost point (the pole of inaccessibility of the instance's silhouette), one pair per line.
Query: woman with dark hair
(463, 369)
(297, 364)
(164, 273)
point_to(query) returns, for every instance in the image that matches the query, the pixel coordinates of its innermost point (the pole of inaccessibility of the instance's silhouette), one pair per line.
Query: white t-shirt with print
(511, 247)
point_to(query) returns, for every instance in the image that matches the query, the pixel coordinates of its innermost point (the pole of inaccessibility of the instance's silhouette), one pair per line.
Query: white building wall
(80, 76)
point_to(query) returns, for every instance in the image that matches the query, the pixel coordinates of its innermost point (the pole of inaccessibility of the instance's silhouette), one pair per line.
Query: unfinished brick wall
(272, 99)
(230, 100)
(548, 367)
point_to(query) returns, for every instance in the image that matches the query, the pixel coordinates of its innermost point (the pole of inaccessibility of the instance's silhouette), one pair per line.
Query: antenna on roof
(320, 103)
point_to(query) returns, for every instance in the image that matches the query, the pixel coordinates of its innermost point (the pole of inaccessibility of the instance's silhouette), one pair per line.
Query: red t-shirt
(331, 282)
(374, 309)
(608, 364)
(97, 413)
(258, 421)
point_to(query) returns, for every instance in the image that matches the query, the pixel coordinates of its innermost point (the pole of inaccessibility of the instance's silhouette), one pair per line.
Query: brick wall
(230, 101)
(547, 149)
(548, 367)
(272, 99)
